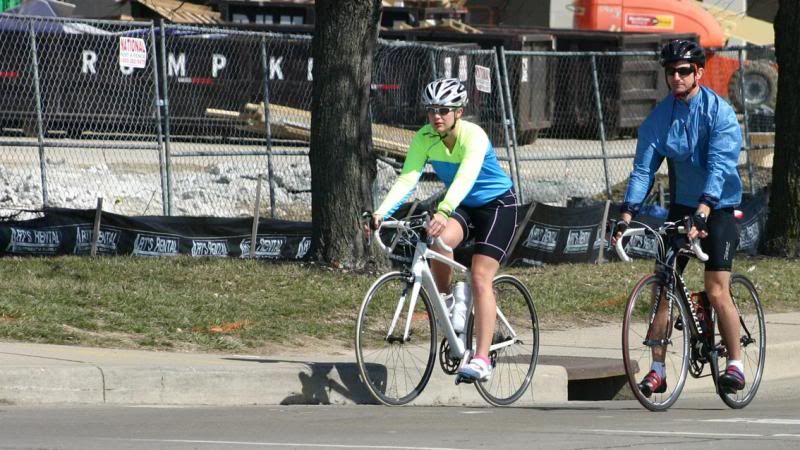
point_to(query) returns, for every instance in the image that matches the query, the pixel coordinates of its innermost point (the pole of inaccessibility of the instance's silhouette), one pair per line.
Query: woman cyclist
(479, 202)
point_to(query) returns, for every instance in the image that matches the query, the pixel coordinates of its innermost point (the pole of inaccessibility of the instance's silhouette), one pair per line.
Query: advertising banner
(555, 234)
(69, 232)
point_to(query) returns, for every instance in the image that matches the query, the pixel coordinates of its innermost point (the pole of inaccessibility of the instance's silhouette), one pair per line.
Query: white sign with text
(483, 79)
(132, 52)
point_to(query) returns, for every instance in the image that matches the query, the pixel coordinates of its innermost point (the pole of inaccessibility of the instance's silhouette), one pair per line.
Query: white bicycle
(396, 343)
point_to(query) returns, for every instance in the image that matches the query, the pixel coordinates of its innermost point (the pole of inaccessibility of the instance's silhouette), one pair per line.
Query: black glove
(699, 222)
(620, 227)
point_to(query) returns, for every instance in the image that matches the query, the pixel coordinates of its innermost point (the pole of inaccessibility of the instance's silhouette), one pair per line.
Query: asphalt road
(696, 421)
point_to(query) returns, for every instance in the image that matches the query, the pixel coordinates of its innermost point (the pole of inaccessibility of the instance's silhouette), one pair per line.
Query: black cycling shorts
(722, 239)
(493, 225)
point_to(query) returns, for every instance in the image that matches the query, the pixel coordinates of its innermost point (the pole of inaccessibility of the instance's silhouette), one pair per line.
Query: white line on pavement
(288, 444)
(758, 421)
(677, 433)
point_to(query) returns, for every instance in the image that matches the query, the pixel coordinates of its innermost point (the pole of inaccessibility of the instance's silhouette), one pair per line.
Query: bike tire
(395, 371)
(751, 318)
(637, 353)
(513, 365)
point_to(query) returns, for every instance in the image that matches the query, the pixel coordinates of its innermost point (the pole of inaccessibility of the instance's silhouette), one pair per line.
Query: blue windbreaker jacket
(701, 139)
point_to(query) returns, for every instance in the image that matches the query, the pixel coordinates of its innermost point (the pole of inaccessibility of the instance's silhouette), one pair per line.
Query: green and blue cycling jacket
(470, 172)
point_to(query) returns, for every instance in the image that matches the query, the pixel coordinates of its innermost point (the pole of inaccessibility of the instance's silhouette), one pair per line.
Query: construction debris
(450, 25)
(293, 123)
(435, 3)
(177, 11)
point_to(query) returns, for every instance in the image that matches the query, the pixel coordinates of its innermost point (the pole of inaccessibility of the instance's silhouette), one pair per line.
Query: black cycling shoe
(652, 383)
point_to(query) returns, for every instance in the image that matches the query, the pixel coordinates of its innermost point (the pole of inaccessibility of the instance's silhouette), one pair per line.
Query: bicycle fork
(398, 310)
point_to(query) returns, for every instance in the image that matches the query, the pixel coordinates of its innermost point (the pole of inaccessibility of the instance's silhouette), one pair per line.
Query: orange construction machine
(686, 16)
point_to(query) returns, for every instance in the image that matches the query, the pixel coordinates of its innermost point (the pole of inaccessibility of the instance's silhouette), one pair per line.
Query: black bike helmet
(682, 50)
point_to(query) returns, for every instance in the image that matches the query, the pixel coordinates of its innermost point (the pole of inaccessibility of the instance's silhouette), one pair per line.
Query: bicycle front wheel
(753, 339)
(647, 336)
(394, 368)
(515, 342)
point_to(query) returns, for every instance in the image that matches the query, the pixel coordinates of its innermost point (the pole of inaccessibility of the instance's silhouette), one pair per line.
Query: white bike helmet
(445, 92)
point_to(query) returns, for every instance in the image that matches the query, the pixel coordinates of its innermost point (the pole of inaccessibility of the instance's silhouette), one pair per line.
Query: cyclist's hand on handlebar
(436, 225)
(619, 228)
(375, 222)
(698, 227)
(371, 223)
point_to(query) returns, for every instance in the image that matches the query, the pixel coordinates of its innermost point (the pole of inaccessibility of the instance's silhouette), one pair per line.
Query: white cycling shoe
(476, 370)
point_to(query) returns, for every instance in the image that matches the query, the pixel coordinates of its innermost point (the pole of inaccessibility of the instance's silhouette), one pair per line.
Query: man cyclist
(697, 132)
(479, 202)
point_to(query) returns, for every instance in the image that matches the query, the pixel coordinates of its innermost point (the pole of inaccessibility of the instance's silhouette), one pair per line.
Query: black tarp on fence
(551, 234)
(69, 232)
(555, 234)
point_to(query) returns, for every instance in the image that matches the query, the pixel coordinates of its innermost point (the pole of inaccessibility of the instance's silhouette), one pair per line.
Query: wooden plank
(451, 25)
(293, 123)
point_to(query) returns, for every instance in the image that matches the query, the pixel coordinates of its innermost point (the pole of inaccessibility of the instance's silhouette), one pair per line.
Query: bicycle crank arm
(656, 342)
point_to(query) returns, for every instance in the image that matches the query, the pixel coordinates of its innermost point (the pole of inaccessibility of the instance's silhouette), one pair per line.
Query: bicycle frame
(423, 279)
(675, 285)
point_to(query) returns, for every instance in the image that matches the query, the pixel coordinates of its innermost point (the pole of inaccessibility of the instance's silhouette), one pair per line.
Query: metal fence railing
(61, 82)
(187, 132)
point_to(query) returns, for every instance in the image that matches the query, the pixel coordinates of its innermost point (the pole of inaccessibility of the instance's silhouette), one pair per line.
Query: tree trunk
(342, 163)
(783, 225)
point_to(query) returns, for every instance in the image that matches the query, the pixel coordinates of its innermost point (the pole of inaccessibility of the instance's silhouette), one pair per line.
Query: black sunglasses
(682, 71)
(440, 110)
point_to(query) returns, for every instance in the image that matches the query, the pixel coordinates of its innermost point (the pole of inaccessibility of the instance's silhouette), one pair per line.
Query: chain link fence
(187, 133)
(76, 123)
(598, 100)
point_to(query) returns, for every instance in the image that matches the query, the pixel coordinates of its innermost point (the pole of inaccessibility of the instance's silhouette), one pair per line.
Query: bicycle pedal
(461, 379)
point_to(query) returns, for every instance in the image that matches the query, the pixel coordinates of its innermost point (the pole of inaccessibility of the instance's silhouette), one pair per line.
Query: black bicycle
(683, 331)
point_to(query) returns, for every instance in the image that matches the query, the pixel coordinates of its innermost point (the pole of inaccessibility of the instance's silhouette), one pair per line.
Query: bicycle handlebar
(395, 224)
(402, 225)
(442, 245)
(695, 244)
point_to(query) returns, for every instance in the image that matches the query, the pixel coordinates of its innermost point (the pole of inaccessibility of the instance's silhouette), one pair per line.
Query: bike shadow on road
(321, 383)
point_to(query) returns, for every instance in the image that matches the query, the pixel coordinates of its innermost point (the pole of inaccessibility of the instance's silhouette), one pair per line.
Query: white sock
(736, 363)
(659, 367)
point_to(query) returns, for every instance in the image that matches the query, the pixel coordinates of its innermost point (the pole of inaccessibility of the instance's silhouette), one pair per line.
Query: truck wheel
(760, 86)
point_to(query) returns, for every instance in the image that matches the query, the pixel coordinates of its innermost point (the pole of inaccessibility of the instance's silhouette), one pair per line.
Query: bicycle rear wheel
(517, 331)
(641, 337)
(395, 370)
(752, 332)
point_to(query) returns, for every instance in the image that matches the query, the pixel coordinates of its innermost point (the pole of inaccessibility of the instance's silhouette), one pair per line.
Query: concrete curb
(46, 374)
(283, 383)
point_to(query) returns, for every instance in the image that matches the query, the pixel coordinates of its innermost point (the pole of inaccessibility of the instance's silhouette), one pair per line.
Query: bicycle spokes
(649, 337)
